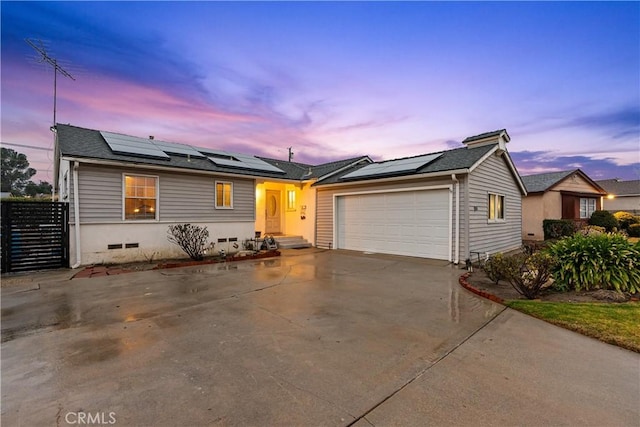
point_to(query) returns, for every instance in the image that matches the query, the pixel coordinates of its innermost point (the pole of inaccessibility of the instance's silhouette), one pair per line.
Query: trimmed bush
(528, 273)
(604, 219)
(592, 230)
(625, 219)
(556, 228)
(494, 267)
(605, 261)
(634, 230)
(191, 238)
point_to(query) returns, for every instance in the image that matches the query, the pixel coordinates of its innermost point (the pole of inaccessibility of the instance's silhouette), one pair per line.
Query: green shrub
(634, 230)
(625, 219)
(605, 261)
(494, 267)
(604, 219)
(528, 273)
(556, 228)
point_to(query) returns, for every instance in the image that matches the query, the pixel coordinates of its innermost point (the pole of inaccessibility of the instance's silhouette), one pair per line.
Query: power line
(26, 146)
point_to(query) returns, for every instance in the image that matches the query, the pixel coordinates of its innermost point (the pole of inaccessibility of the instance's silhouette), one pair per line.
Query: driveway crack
(422, 372)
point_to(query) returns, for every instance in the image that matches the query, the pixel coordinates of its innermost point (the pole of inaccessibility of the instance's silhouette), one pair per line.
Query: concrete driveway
(310, 338)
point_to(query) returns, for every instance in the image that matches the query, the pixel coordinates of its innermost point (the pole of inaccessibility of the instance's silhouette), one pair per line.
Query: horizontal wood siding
(100, 193)
(188, 197)
(182, 197)
(494, 176)
(324, 206)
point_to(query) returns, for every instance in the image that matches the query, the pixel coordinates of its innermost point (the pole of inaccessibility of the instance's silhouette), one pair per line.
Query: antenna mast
(290, 153)
(56, 69)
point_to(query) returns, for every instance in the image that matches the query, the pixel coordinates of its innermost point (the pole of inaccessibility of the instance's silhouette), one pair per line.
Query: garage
(410, 223)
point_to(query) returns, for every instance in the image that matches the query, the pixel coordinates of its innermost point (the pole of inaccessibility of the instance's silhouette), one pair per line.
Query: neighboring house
(558, 195)
(450, 205)
(125, 191)
(622, 195)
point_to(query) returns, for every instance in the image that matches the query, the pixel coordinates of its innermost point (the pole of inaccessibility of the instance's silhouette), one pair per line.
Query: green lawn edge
(617, 324)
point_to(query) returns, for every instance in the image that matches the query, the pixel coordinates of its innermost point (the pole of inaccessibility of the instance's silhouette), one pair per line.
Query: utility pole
(290, 153)
(56, 69)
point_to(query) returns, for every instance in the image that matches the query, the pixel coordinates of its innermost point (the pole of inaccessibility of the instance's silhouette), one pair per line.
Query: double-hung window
(496, 207)
(140, 197)
(224, 195)
(587, 207)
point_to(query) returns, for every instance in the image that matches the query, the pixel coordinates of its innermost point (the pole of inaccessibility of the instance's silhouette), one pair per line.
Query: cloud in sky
(534, 162)
(336, 80)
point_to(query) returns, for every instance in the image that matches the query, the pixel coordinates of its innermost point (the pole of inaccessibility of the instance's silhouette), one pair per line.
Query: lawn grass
(617, 324)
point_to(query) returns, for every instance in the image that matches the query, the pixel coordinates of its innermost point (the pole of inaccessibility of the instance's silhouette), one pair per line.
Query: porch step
(292, 242)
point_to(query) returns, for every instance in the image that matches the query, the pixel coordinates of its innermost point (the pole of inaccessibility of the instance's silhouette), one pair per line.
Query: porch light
(611, 196)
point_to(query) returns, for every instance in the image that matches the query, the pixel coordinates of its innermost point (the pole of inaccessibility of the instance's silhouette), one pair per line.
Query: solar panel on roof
(242, 161)
(174, 148)
(393, 167)
(124, 144)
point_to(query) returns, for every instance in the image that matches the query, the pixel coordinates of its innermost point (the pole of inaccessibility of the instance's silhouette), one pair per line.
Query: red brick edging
(268, 254)
(104, 270)
(465, 284)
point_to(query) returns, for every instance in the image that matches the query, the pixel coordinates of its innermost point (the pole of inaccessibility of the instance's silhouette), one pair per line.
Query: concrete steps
(292, 242)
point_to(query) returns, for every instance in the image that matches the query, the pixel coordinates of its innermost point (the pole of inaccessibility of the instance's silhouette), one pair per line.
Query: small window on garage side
(224, 195)
(496, 207)
(587, 208)
(140, 197)
(291, 200)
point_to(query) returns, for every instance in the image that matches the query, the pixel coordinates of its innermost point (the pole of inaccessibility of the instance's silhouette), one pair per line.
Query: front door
(273, 212)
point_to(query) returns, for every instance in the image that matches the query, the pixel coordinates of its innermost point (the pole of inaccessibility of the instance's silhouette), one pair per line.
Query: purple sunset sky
(334, 79)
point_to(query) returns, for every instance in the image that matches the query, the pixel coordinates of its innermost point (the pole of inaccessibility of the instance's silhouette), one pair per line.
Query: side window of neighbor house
(224, 195)
(587, 207)
(496, 207)
(140, 197)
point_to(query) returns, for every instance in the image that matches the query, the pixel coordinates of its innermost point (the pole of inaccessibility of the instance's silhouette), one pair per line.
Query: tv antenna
(44, 57)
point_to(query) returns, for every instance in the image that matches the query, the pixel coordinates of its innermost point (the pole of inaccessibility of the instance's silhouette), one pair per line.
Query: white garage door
(411, 223)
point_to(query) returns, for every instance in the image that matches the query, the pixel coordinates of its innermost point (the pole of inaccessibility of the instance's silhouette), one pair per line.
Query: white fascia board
(510, 164)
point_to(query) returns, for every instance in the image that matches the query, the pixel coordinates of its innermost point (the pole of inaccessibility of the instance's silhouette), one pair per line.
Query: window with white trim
(140, 197)
(291, 200)
(496, 207)
(224, 195)
(587, 208)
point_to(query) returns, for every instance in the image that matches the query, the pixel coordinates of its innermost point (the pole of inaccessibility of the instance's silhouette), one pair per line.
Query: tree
(33, 190)
(15, 171)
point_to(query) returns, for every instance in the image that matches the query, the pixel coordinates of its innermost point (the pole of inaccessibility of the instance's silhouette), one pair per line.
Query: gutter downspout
(76, 215)
(457, 249)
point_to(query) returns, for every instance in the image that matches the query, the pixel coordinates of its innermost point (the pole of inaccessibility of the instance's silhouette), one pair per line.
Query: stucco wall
(621, 203)
(151, 239)
(291, 224)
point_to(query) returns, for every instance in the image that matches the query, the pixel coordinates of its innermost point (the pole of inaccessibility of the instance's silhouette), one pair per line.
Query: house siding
(325, 208)
(493, 176)
(182, 197)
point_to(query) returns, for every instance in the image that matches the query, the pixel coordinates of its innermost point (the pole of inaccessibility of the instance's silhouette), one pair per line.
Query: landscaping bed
(606, 315)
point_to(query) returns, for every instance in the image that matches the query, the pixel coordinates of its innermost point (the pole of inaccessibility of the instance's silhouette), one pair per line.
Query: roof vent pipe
(151, 137)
